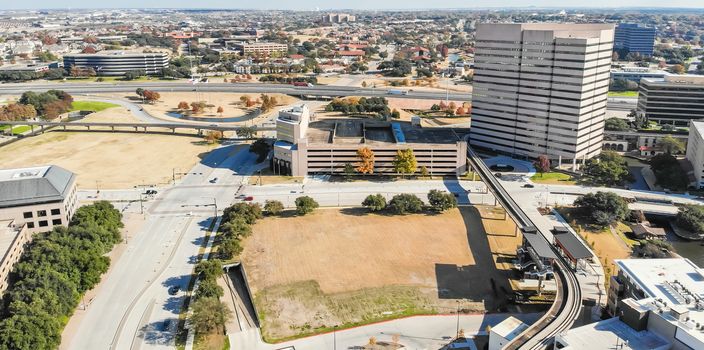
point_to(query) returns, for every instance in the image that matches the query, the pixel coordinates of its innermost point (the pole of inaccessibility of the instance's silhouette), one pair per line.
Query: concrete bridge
(41, 126)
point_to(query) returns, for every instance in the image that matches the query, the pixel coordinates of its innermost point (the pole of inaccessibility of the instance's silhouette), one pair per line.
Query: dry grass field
(346, 267)
(115, 160)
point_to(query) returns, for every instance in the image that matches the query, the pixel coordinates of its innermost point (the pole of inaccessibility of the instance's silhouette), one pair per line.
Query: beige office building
(13, 238)
(326, 146)
(40, 197)
(541, 88)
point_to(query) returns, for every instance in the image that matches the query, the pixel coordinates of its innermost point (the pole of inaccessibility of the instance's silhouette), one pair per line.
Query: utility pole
(457, 334)
(334, 337)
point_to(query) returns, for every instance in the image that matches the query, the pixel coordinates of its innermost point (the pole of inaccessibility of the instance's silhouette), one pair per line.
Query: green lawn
(552, 178)
(16, 130)
(623, 93)
(95, 106)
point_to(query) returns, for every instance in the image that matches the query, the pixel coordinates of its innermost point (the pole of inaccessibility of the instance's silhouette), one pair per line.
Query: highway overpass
(134, 127)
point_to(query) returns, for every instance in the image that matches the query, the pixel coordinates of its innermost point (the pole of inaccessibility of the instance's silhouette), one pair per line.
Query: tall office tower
(632, 37)
(541, 89)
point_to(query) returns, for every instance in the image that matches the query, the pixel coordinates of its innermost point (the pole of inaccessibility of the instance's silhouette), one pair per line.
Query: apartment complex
(674, 99)
(116, 63)
(636, 38)
(695, 151)
(40, 197)
(260, 48)
(339, 18)
(662, 296)
(541, 89)
(13, 239)
(326, 146)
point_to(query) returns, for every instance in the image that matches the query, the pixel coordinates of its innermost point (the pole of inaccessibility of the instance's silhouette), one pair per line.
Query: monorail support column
(112, 127)
(31, 127)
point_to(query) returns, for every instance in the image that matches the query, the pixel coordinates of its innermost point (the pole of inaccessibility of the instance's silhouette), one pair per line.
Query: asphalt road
(133, 309)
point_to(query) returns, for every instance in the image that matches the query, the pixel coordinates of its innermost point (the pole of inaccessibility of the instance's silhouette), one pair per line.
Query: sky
(338, 4)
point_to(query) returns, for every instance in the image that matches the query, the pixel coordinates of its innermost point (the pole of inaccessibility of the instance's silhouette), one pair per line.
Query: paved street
(134, 309)
(415, 333)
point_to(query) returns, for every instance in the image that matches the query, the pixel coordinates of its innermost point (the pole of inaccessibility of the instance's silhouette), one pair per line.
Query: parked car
(248, 199)
(213, 180)
(528, 186)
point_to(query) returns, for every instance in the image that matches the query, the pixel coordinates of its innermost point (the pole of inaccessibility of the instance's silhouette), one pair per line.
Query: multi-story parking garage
(327, 146)
(115, 63)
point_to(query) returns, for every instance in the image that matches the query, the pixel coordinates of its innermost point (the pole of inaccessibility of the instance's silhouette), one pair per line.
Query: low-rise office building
(662, 296)
(40, 197)
(116, 63)
(327, 146)
(674, 99)
(635, 74)
(13, 239)
(260, 48)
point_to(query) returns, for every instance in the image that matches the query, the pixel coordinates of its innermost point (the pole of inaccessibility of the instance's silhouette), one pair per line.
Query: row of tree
(372, 105)
(406, 203)
(52, 274)
(404, 163)
(49, 104)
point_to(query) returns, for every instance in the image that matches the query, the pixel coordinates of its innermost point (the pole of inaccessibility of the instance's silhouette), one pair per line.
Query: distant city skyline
(346, 4)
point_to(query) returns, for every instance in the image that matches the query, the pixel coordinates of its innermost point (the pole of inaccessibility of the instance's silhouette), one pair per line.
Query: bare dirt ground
(112, 115)
(114, 160)
(230, 102)
(346, 267)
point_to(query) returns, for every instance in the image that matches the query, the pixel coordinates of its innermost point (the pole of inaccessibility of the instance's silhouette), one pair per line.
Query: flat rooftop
(675, 79)
(7, 236)
(677, 282)
(606, 334)
(365, 131)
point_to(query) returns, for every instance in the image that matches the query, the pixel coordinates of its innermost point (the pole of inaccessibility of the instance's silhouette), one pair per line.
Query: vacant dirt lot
(118, 160)
(346, 267)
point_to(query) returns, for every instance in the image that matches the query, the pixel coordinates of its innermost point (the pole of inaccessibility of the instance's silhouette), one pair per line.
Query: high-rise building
(541, 89)
(636, 38)
(674, 99)
(339, 18)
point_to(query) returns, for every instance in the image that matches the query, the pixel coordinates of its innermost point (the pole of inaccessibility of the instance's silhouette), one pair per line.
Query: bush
(608, 169)
(305, 205)
(273, 207)
(441, 201)
(374, 202)
(405, 203)
(603, 208)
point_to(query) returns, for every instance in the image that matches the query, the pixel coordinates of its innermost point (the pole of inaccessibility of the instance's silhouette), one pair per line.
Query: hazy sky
(339, 4)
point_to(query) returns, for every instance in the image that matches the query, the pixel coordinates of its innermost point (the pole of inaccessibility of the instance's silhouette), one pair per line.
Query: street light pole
(457, 334)
(334, 337)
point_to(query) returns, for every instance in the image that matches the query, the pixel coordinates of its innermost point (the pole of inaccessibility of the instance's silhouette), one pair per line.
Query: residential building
(541, 89)
(695, 151)
(327, 146)
(339, 18)
(674, 99)
(116, 63)
(40, 197)
(260, 48)
(636, 38)
(504, 332)
(662, 296)
(13, 239)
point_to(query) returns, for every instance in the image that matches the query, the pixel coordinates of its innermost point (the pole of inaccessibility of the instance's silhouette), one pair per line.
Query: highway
(568, 301)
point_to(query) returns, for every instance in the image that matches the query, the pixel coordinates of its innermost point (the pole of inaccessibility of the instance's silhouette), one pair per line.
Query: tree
(349, 170)
(677, 69)
(209, 314)
(395, 114)
(691, 218)
(151, 96)
(374, 202)
(615, 124)
(366, 161)
(140, 92)
(229, 248)
(668, 172)
(267, 103)
(208, 288)
(671, 145)
(305, 205)
(608, 169)
(209, 269)
(261, 148)
(604, 208)
(246, 132)
(273, 207)
(542, 164)
(405, 203)
(405, 162)
(424, 171)
(213, 136)
(441, 201)
(220, 110)
(134, 74)
(183, 105)
(89, 50)
(236, 228)
(249, 212)
(245, 100)
(198, 107)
